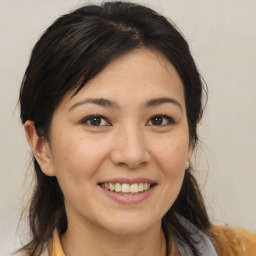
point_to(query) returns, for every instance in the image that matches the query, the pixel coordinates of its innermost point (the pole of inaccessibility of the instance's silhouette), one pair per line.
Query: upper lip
(128, 180)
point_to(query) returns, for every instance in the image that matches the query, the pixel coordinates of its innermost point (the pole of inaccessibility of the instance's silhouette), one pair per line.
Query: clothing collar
(201, 241)
(55, 248)
(177, 246)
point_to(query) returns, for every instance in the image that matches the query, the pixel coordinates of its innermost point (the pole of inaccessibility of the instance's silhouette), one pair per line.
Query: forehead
(139, 74)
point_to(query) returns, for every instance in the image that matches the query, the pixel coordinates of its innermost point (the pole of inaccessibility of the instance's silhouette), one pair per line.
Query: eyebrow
(162, 100)
(108, 103)
(98, 101)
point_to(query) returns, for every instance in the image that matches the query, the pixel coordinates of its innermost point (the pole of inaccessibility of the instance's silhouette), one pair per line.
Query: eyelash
(87, 120)
(168, 118)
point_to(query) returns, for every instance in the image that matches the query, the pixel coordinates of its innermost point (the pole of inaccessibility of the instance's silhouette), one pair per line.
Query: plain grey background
(222, 37)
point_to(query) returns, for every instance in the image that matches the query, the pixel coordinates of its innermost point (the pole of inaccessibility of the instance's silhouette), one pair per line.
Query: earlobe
(190, 152)
(40, 148)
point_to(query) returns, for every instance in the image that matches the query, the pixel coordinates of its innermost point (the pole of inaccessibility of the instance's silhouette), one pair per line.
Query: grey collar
(203, 243)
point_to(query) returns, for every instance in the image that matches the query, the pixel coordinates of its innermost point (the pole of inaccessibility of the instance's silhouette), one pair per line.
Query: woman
(110, 102)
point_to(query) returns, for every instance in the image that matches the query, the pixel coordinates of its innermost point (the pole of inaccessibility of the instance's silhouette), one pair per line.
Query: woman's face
(119, 148)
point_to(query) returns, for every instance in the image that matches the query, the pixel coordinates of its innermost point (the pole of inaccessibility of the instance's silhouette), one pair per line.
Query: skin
(127, 143)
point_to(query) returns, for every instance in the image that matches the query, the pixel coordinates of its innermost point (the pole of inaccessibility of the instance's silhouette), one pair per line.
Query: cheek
(169, 156)
(172, 155)
(76, 160)
(172, 158)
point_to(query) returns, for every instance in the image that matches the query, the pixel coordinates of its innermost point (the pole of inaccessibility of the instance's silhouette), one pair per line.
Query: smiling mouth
(124, 188)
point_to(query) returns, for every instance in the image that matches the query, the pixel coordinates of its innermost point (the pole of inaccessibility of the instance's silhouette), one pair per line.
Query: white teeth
(134, 188)
(141, 187)
(111, 187)
(118, 187)
(126, 188)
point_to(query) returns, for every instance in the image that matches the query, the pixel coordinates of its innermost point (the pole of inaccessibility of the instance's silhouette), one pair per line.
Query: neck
(85, 241)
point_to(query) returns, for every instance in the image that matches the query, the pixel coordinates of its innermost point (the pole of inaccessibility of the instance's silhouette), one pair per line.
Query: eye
(95, 120)
(160, 120)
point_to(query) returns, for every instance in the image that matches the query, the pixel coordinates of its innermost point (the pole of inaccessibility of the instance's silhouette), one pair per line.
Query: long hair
(73, 50)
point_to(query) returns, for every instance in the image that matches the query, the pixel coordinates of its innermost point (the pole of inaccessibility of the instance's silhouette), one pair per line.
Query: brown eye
(157, 120)
(95, 120)
(160, 120)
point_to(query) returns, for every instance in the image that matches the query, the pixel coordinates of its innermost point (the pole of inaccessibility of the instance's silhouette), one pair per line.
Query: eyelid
(170, 120)
(87, 118)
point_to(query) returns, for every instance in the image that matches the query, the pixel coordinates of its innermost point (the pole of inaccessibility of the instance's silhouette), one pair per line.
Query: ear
(40, 148)
(189, 155)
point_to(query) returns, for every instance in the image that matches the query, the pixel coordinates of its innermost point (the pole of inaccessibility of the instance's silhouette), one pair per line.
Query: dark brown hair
(73, 50)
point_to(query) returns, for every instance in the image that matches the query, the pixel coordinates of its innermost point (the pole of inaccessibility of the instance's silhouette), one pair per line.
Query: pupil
(95, 121)
(157, 121)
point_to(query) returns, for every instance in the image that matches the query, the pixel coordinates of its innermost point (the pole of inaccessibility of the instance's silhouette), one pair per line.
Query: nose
(129, 149)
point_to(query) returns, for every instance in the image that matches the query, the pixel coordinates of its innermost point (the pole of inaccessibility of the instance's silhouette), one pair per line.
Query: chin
(131, 225)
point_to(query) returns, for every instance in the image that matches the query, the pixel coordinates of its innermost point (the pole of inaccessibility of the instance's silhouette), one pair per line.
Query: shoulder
(231, 241)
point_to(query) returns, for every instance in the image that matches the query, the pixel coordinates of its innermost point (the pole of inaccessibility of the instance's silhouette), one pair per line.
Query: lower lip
(129, 198)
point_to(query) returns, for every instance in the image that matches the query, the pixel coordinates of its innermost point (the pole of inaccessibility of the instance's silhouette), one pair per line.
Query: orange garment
(229, 242)
(234, 241)
(55, 248)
